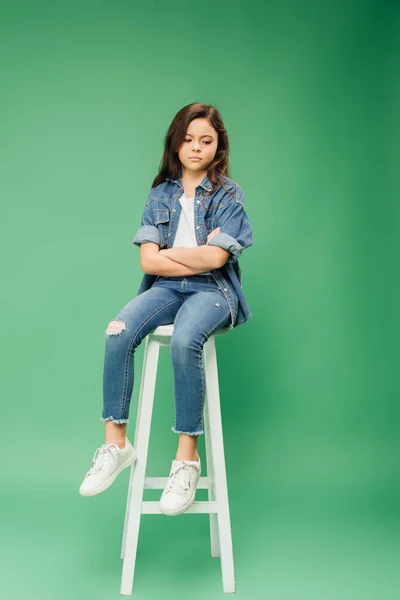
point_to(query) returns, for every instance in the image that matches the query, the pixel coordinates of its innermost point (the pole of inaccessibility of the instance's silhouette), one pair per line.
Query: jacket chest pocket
(210, 223)
(161, 221)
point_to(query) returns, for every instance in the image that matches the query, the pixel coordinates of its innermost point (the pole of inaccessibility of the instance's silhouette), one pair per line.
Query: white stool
(217, 505)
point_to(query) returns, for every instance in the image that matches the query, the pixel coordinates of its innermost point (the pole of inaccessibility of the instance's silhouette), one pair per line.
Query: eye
(206, 142)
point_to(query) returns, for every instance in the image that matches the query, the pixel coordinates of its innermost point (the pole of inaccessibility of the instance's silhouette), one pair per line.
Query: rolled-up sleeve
(147, 231)
(235, 229)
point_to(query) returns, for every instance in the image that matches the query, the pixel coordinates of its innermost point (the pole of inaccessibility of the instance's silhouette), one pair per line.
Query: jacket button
(169, 234)
(197, 226)
(198, 201)
(225, 289)
(174, 210)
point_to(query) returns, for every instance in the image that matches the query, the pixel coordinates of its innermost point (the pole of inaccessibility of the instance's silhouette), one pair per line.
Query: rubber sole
(111, 479)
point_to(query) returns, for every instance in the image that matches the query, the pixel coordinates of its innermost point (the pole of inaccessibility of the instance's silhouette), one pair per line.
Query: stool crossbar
(217, 504)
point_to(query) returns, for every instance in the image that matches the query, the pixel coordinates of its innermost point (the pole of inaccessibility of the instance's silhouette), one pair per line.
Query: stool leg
(214, 535)
(218, 460)
(139, 410)
(137, 484)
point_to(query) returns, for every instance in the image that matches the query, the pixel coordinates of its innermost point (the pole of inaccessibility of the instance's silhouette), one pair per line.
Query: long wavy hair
(170, 165)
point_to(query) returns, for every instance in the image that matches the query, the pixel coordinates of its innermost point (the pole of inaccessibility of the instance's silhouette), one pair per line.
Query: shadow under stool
(217, 504)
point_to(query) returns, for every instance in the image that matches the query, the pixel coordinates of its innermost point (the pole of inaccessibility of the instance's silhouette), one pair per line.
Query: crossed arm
(181, 261)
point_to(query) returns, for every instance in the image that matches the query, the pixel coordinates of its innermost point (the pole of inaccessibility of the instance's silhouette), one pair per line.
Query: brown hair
(170, 165)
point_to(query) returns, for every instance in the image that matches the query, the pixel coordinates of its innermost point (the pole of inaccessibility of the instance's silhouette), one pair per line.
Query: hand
(212, 233)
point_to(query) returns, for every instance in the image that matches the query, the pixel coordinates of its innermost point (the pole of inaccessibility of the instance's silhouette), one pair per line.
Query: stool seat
(167, 330)
(164, 333)
(217, 505)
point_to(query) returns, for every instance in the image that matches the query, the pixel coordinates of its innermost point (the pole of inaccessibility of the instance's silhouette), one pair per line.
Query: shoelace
(179, 479)
(101, 456)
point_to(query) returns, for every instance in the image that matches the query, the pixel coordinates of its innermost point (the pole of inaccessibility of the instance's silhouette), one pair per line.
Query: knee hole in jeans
(116, 327)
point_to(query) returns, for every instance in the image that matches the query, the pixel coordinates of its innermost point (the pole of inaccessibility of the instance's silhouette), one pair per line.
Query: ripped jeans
(197, 308)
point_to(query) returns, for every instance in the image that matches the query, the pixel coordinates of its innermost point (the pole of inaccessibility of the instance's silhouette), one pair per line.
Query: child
(194, 227)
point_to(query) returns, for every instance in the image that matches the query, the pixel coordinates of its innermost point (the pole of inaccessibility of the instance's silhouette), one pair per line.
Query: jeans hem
(187, 432)
(114, 420)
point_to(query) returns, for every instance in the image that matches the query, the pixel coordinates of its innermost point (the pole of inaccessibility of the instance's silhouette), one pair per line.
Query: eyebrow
(205, 135)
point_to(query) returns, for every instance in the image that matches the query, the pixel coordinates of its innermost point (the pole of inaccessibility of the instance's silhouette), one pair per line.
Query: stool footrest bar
(150, 507)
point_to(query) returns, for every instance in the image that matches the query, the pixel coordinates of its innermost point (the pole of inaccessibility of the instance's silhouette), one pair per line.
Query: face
(200, 141)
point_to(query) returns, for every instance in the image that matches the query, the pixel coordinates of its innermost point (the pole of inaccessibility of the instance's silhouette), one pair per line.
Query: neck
(190, 178)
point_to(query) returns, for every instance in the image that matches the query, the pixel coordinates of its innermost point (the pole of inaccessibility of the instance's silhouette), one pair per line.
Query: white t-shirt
(185, 236)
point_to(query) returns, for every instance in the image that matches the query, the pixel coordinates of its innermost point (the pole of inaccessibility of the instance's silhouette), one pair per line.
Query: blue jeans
(197, 308)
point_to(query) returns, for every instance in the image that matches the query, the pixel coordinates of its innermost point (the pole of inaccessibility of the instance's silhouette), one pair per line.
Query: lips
(194, 158)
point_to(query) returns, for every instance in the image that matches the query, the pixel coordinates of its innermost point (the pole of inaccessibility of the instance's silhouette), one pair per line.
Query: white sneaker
(179, 493)
(108, 461)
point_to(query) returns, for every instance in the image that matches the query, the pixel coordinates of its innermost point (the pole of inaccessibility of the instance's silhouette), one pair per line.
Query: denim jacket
(159, 224)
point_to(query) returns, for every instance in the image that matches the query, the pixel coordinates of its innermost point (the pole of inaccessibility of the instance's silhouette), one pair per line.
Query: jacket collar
(205, 183)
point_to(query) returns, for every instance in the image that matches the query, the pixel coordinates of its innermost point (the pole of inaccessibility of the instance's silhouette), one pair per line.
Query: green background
(309, 93)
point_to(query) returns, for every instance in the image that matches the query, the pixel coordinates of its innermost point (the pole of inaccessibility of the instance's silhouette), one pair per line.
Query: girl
(193, 229)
